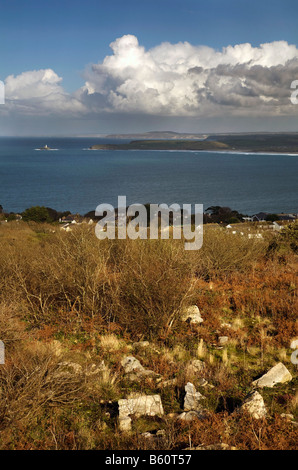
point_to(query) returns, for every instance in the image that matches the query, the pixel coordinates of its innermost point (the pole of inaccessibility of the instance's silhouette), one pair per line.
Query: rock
(138, 405)
(147, 435)
(287, 416)
(134, 368)
(294, 343)
(191, 415)
(222, 340)
(125, 424)
(131, 364)
(226, 325)
(194, 367)
(160, 434)
(254, 405)
(278, 374)
(192, 398)
(192, 314)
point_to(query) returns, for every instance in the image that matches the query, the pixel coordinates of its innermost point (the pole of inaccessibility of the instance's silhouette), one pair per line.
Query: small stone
(277, 374)
(226, 325)
(136, 371)
(192, 314)
(154, 436)
(194, 367)
(125, 423)
(191, 415)
(222, 340)
(287, 416)
(294, 343)
(254, 405)
(131, 364)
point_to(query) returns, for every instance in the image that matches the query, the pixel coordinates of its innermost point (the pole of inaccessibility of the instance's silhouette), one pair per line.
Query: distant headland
(163, 145)
(248, 142)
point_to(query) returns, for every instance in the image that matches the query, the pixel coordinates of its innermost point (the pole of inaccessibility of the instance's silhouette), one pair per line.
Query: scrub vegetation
(72, 307)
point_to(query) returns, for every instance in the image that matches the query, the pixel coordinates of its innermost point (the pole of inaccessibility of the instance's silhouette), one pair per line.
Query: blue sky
(68, 36)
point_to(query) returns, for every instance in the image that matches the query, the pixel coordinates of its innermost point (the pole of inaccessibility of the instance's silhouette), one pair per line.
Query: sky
(96, 67)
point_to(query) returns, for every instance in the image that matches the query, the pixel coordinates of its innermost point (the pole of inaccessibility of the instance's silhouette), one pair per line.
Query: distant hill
(163, 145)
(160, 135)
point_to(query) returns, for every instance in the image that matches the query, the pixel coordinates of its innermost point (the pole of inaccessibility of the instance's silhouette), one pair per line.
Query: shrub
(155, 281)
(223, 252)
(36, 214)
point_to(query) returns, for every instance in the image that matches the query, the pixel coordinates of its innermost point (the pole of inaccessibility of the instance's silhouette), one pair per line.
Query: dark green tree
(36, 214)
(272, 217)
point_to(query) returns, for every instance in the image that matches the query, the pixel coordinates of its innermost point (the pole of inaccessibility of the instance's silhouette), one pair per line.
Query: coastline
(229, 144)
(230, 152)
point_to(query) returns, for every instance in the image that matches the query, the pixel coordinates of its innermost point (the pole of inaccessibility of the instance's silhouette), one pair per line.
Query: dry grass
(99, 297)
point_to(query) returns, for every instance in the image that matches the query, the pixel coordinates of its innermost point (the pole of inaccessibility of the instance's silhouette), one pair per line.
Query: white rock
(278, 374)
(125, 423)
(254, 405)
(131, 364)
(222, 340)
(140, 405)
(226, 325)
(294, 343)
(192, 314)
(192, 398)
(134, 368)
(287, 416)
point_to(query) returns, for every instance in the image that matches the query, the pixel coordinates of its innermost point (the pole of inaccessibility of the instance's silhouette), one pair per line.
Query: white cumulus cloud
(39, 92)
(186, 80)
(168, 80)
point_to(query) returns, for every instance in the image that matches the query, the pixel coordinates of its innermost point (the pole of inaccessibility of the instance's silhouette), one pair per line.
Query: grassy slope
(64, 300)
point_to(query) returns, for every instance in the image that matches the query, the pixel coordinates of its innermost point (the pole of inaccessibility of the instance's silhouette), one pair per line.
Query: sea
(72, 177)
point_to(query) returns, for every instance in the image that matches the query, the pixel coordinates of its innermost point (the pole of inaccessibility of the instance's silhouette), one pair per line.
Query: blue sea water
(77, 179)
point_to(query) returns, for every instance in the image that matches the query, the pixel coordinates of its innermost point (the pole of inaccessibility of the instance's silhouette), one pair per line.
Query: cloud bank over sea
(170, 80)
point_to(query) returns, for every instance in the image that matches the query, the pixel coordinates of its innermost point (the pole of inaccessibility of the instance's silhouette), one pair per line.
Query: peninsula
(163, 145)
(262, 143)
